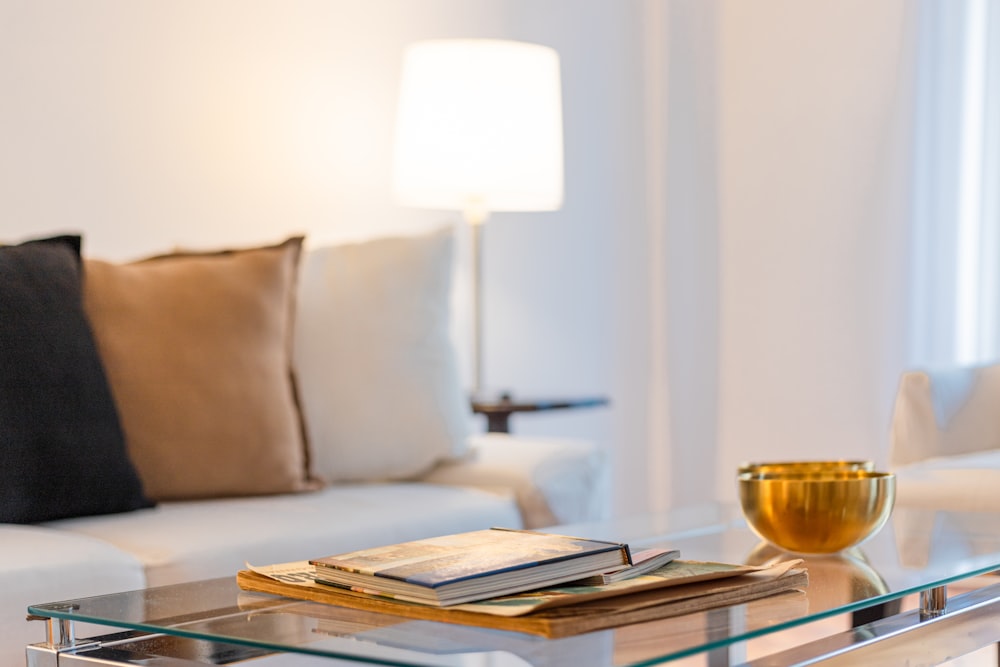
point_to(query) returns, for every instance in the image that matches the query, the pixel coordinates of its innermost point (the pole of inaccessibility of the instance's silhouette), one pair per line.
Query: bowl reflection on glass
(834, 579)
(819, 512)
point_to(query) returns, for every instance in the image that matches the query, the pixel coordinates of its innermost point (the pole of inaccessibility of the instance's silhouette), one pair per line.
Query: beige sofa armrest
(553, 480)
(945, 412)
(945, 442)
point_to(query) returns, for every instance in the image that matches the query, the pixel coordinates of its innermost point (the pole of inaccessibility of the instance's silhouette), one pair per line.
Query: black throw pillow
(62, 450)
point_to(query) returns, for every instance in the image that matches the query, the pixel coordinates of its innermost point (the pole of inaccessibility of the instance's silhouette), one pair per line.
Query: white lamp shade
(479, 127)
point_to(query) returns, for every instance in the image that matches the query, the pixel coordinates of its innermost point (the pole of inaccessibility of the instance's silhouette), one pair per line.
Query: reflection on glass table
(912, 555)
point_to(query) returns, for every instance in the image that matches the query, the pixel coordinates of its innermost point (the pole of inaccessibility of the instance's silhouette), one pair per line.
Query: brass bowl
(805, 466)
(820, 512)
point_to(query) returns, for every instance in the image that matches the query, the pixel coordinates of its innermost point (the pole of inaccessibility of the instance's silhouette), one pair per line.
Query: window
(956, 217)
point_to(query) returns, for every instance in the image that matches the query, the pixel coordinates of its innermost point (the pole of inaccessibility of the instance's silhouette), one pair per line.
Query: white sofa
(401, 462)
(558, 482)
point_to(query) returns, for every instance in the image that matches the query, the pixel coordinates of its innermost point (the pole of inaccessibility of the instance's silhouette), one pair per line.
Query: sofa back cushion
(381, 393)
(62, 453)
(197, 348)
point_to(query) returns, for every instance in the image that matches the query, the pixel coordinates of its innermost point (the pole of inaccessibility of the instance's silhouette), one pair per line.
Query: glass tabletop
(914, 552)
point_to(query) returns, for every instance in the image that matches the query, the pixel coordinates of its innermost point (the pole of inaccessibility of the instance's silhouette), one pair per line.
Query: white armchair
(945, 439)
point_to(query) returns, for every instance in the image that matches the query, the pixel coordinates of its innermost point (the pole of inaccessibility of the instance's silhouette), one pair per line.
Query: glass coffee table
(925, 583)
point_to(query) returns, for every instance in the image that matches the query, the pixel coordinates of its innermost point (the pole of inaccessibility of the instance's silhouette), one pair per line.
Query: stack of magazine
(529, 581)
(479, 565)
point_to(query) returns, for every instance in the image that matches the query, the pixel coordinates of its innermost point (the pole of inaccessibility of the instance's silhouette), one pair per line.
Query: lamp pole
(478, 130)
(475, 215)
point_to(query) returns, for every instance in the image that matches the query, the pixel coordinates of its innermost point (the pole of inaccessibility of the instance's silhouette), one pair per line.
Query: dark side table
(499, 409)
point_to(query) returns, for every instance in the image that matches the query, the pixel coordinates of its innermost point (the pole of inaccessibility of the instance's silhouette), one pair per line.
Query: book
(465, 567)
(678, 588)
(643, 562)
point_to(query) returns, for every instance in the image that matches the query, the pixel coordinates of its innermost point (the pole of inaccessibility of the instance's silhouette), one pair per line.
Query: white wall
(157, 123)
(784, 187)
(152, 124)
(814, 134)
(728, 263)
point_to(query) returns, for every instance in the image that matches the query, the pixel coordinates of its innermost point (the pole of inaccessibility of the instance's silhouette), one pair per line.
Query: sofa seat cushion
(965, 482)
(41, 565)
(555, 480)
(187, 540)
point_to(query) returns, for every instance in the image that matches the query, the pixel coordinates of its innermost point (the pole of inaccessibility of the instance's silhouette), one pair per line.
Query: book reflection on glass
(454, 569)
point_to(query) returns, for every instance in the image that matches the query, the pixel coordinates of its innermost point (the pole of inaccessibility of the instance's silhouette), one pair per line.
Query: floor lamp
(479, 130)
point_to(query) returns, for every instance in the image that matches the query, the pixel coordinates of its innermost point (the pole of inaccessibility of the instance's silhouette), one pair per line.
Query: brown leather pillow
(197, 348)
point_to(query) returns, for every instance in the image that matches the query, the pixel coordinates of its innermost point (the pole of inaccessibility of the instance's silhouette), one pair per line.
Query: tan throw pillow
(197, 348)
(381, 393)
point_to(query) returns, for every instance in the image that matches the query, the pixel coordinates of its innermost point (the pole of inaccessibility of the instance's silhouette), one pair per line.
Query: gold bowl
(820, 512)
(805, 466)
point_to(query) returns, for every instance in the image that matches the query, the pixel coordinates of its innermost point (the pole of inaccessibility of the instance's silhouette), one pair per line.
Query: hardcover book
(465, 567)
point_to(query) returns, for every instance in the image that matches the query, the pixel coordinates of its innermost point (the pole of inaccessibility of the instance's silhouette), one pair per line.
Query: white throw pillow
(377, 371)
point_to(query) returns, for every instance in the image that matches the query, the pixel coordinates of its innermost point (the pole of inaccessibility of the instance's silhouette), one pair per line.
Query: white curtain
(830, 190)
(785, 192)
(955, 296)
